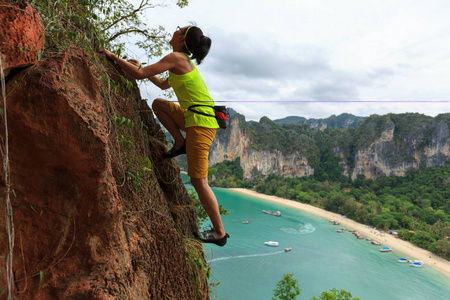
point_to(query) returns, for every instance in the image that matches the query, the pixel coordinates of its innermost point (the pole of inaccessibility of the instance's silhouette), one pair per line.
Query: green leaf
(199, 263)
(41, 278)
(39, 55)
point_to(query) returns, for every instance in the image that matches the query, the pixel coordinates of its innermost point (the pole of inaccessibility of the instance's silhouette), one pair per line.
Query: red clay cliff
(21, 35)
(96, 209)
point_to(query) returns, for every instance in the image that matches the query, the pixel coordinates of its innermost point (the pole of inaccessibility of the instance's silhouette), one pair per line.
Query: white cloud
(298, 50)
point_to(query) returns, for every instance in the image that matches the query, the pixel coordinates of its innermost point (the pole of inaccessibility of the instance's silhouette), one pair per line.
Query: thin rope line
(8, 212)
(320, 101)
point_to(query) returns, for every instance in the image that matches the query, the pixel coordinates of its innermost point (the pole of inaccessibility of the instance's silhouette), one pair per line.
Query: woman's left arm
(166, 63)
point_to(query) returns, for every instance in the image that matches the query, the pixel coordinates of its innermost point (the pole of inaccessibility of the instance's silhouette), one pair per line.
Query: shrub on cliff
(97, 24)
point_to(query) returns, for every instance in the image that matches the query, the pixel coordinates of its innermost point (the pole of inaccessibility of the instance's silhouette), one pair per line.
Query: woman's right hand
(108, 54)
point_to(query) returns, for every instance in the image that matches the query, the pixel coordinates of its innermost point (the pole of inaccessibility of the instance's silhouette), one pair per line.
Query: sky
(319, 58)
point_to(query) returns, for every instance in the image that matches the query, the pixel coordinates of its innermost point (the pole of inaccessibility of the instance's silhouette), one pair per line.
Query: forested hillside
(416, 205)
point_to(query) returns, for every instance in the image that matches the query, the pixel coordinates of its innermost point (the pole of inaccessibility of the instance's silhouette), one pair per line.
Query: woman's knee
(199, 182)
(158, 104)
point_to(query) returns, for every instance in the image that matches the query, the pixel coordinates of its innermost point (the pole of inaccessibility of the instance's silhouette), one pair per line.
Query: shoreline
(411, 251)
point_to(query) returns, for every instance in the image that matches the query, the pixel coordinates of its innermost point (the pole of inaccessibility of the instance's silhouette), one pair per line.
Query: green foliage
(198, 267)
(328, 166)
(335, 294)
(136, 171)
(287, 288)
(336, 122)
(422, 239)
(41, 278)
(202, 216)
(227, 174)
(137, 166)
(344, 121)
(371, 129)
(441, 248)
(122, 121)
(97, 24)
(126, 141)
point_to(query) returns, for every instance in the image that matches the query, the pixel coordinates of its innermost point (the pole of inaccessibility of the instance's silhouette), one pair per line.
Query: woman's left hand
(134, 62)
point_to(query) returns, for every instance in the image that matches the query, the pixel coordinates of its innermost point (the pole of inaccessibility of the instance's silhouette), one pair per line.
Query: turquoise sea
(320, 259)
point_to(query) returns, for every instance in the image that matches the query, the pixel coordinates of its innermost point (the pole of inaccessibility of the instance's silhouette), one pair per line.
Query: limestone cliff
(97, 212)
(381, 145)
(234, 142)
(395, 150)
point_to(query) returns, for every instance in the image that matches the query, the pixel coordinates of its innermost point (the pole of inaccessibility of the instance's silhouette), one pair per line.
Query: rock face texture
(21, 35)
(97, 211)
(395, 154)
(235, 143)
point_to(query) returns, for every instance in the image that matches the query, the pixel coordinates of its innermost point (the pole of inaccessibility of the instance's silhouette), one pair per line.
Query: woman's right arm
(133, 68)
(166, 63)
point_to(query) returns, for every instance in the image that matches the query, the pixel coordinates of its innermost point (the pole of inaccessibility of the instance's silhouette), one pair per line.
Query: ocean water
(320, 259)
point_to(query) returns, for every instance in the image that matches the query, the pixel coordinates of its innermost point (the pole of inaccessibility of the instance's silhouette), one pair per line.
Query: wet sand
(387, 240)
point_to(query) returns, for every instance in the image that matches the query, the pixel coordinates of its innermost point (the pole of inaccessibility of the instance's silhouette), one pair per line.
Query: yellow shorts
(198, 142)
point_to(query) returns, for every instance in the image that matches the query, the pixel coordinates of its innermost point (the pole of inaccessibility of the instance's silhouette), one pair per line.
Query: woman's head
(196, 43)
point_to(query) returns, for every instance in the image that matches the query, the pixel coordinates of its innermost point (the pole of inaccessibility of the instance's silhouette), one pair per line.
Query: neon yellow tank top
(190, 89)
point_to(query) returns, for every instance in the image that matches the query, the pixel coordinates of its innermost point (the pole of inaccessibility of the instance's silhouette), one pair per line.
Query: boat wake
(299, 229)
(245, 256)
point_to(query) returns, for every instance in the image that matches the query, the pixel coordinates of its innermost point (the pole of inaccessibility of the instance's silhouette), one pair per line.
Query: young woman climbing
(187, 43)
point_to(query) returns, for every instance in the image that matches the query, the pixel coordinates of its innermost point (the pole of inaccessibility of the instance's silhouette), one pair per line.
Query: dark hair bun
(197, 44)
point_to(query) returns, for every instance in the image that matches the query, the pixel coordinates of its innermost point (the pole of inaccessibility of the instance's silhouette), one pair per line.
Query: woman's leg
(209, 202)
(164, 111)
(198, 142)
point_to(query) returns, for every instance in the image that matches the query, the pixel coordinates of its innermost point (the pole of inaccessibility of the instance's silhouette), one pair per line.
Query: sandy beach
(408, 250)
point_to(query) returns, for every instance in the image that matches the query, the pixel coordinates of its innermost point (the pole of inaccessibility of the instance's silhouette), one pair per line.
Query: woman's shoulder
(176, 56)
(181, 62)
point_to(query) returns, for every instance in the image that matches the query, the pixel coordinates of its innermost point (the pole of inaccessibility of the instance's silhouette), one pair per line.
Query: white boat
(278, 213)
(272, 243)
(385, 249)
(417, 263)
(403, 260)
